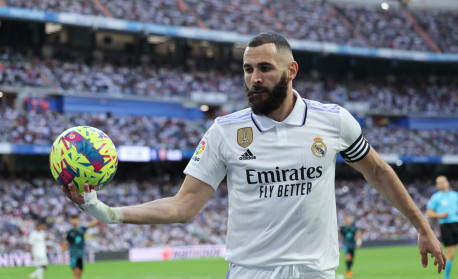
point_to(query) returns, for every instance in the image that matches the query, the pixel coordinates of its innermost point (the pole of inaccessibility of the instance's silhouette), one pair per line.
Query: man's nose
(256, 77)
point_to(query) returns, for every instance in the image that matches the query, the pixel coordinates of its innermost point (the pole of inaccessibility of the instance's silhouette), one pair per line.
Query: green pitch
(401, 262)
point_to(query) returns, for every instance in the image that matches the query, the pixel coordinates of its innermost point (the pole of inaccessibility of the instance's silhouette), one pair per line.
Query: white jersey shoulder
(317, 106)
(238, 116)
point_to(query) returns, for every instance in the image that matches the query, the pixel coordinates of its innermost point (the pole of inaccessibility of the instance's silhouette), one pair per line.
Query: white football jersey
(280, 179)
(38, 241)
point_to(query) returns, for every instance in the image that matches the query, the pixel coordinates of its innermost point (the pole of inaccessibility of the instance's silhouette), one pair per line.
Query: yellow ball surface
(81, 155)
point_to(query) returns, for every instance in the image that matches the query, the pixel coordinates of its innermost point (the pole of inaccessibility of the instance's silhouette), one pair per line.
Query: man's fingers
(73, 190)
(66, 192)
(86, 188)
(444, 259)
(440, 261)
(424, 259)
(74, 195)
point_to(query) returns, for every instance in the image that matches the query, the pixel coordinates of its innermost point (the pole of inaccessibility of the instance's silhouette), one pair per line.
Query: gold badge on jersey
(245, 136)
(319, 149)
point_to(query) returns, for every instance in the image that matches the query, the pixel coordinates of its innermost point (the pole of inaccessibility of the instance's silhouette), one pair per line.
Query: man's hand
(444, 215)
(89, 203)
(428, 243)
(73, 195)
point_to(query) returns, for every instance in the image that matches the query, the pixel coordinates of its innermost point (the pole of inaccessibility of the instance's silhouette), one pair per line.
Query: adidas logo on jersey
(247, 155)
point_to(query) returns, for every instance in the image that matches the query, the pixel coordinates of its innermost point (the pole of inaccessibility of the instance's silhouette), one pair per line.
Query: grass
(371, 263)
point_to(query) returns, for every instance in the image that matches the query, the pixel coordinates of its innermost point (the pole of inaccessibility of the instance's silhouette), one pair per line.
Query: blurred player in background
(75, 239)
(443, 205)
(351, 239)
(37, 240)
(279, 157)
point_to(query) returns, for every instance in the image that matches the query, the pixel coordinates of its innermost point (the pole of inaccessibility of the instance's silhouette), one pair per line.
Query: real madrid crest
(319, 149)
(244, 136)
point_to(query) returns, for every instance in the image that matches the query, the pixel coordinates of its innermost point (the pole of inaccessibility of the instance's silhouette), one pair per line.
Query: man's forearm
(180, 208)
(387, 183)
(433, 214)
(162, 211)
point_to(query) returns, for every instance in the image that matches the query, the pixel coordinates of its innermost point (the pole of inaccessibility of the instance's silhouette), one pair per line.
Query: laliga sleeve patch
(199, 150)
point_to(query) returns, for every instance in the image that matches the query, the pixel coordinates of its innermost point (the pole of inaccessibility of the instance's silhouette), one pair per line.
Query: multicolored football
(81, 155)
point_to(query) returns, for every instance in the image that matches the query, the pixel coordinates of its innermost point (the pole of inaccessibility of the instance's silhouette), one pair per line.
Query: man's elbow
(185, 213)
(185, 217)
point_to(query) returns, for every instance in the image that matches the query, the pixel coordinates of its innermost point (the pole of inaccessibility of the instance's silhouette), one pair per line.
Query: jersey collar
(296, 117)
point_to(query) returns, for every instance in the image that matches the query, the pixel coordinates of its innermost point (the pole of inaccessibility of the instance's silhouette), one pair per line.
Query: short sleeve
(431, 204)
(353, 145)
(207, 163)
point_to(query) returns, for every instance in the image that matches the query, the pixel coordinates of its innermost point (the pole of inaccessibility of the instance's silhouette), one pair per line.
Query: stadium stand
(390, 29)
(158, 81)
(356, 25)
(42, 127)
(441, 27)
(77, 7)
(25, 201)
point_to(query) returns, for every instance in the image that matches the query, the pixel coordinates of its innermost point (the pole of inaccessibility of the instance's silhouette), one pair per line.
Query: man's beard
(275, 97)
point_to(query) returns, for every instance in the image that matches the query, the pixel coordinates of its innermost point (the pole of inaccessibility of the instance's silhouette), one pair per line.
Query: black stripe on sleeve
(357, 151)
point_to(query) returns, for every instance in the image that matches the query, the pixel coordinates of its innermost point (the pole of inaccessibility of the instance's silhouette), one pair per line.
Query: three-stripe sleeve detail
(357, 150)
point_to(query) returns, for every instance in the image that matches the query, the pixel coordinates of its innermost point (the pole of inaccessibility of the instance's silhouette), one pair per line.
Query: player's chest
(283, 147)
(448, 200)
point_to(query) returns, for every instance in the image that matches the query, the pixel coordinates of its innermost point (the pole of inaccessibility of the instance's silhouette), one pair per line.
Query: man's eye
(248, 70)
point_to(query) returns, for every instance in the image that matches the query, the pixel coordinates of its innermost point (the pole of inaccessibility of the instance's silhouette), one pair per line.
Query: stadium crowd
(356, 25)
(24, 202)
(70, 76)
(387, 29)
(441, 27)
(68, 6)
(314, 21)
(43, 126)
(41, 200)
(376, 218)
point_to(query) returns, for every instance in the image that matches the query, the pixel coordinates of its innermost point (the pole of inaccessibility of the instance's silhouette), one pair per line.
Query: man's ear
(292, 70)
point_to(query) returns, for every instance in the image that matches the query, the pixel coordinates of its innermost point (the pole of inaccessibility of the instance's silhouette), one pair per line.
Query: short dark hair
(269, 38)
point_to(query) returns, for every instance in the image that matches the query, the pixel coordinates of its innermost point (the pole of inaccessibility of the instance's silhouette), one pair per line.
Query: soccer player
(75, 239)
(351, 239)
(444, 206)
(37, 240)
(279, 158)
